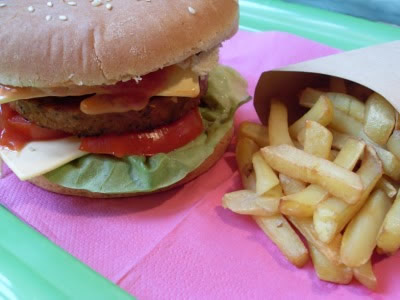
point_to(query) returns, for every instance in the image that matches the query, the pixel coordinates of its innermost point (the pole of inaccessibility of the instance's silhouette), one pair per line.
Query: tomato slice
(160, 140)
(15, 131)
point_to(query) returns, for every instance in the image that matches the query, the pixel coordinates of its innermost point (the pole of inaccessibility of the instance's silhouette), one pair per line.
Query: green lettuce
(107, 174)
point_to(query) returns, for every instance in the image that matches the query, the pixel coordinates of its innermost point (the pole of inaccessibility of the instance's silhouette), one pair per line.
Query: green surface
(31, 267)
(333, 29)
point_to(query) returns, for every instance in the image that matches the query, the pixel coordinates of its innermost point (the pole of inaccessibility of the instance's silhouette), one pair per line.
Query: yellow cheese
(181, 83)
(38, 158)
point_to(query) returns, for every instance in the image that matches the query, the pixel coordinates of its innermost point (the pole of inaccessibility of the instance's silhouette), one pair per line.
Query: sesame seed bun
(219, 150)
(83, 44)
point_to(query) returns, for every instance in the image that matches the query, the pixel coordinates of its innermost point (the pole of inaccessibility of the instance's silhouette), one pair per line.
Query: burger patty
(64, 114)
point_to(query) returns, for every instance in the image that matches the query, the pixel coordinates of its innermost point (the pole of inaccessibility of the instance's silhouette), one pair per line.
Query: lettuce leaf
(107, 174)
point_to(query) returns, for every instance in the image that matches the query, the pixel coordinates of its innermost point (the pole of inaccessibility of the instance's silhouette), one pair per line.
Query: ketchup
(15, 131)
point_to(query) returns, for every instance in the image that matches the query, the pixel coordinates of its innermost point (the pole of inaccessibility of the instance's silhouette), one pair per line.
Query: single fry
(306, 228)
(379, 119)
(321, 112)
(386, 186)
(301, 137)
(359, 238)
(278, 229)
(266, 179)
(350, 153)
(366, 276)
(300, 165)
(246, 202)
(317, 139)
(393, 143)
(345, 123)
(333, 214)
(337, 85)
(290, 185)
(304, 202)
(278, 129)
(328, 271)
(245, 148)
(256, 132)
(389, 234)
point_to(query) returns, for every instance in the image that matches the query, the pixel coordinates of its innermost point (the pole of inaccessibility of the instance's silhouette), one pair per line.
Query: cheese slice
(181, 83)
(38, 158)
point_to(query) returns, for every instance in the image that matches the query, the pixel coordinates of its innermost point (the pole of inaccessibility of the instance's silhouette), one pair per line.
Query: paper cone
(376, 67)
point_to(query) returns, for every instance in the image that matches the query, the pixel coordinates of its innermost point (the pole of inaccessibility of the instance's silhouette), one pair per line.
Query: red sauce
(15, 131)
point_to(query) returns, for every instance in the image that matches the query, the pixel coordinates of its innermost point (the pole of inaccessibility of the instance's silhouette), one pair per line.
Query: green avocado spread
(110, 175)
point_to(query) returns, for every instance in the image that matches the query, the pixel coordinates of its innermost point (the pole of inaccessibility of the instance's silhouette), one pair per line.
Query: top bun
(83, 44)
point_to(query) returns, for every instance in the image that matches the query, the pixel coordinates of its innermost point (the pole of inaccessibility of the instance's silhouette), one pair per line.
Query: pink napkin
(182, 244)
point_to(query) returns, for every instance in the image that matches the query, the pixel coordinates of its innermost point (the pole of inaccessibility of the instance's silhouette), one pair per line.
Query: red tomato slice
(15, 131)
(161, 140)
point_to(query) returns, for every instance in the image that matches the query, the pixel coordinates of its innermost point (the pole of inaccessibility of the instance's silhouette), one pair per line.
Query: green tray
(32, 267)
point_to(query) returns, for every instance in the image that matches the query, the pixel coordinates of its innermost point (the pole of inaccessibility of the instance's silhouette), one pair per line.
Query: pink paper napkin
(182, 244)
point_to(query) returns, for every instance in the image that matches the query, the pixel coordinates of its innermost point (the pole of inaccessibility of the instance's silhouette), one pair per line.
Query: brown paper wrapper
(376, 67)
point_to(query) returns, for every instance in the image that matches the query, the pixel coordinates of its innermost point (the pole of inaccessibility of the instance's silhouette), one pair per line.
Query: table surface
(33, 267)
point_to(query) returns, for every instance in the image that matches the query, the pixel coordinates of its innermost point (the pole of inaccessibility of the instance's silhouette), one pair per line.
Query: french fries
(328, 271)
(278, 124)
(333, 214)
(306, 227)
(245, 148)
(266, 179)
(256, 132)
(246, 202)
(282, 234)
(303, 166)
(346, 103)
(321, 112)
(389, 235)
(332, 174)
(317, 140)
(359, 238)
(379, 119)
(365, 275)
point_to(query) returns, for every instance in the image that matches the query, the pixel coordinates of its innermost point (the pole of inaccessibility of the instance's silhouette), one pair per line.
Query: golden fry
(302, 166)
(266, 178)
(317, 139)
(379, 119)
(285, 238)
(328, 271)
(278, 129)
(246, 202)
(389, 235)
(321, 112)
(359, 238)
(365, 275)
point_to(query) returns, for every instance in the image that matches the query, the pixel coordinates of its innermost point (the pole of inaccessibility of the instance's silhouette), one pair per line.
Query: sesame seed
(191, 10)
(72, 3)
(63, 18)
(31, 9)
(109, 6)
(48, 18)
(50, 4)
(97, 2)
(3, 5)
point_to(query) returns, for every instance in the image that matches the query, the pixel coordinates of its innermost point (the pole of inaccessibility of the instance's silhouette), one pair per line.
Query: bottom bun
(219, 150)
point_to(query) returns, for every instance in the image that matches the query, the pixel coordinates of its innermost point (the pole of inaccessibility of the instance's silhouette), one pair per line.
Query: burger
(115, 98)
